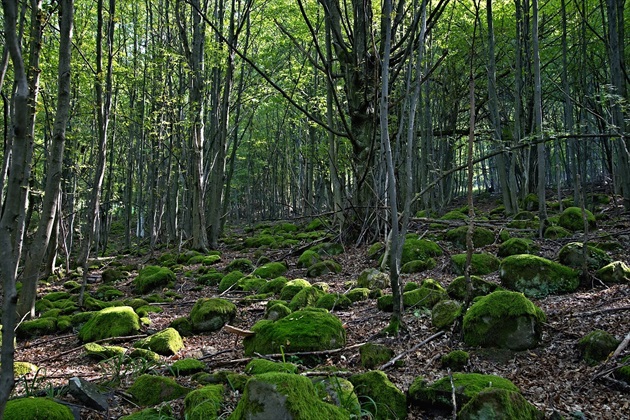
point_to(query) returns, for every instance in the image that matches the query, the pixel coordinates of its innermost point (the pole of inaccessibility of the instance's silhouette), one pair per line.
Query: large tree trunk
(35, 256)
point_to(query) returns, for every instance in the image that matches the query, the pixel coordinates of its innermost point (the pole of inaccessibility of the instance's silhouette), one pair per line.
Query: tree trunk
(538, 124)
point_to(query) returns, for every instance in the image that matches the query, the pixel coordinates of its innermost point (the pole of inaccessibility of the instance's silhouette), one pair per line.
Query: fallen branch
(601, 311)
(622, 346)
(105, 340)
(411, 350)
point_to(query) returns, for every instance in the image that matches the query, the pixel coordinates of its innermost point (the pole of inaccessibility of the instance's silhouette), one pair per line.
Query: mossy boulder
(419, 249)
(329, 248)
(187, 366)
(116, 321)
(516, 246)
(110, 275)
(379, 396)
(418, 266)
(481, 236)
(338, 391)
(428, 294)
(278, 395)
(308, 258)
(103, 352)
(212, 278)
(274, 286)
(250, 283)
(536, 276)
(230, 280)
(333, 301)
(308, 296)
(572, 255)
(497, 403)
(152, 390)
(454, 215)
(56, 296)
(241, 264)
(480, 287)
(373, 279)
(615, 272)
(359, 294)
(503, 319)
(374, 355)
(323, 267)
(530, 202)
(457, 360)
(439, 394)
(376, 251)
(556, 232)
(260, 366)
(304, 330)
(571, 219)
(623, 373)
(162, 413)
(271, 270)
(166, 342)
(152, 277)
(23, 368)
(277, 311)
(36, 409)
(204, 403)
(292, 288)
(206, 260)
(211, 314)
(145, 355)
(183, 326)
(480, 264)
(444, 313)
(37, 327)
(596, 346)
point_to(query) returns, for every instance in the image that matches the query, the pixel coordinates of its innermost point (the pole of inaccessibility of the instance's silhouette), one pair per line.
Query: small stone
(88, 394)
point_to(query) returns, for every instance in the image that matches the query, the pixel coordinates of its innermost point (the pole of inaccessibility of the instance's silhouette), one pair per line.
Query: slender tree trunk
(538, 124)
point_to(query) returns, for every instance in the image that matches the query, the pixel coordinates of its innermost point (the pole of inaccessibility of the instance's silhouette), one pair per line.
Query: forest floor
(552, 376)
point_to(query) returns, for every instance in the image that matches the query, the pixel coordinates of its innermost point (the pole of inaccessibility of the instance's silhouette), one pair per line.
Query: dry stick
(411, 350)
(601, 311)
(622, 346)
(129, 337)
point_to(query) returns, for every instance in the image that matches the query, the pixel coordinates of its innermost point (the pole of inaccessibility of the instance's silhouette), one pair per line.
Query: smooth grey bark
(40, 244)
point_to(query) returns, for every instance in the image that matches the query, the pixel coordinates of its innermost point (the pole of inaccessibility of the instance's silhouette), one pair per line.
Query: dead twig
(601, 311)
(411, 350)
(105, 340)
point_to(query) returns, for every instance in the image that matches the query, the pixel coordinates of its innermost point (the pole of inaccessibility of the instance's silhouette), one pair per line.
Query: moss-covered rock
(187, 366)
(444, 313)
(206, 260)
(338, 391)
(103, 352)
(467, 385)
(145, 355)
(152, 390)
(572, 255)
(329, 248)
(571, 219)
(36, 409)
(418, 266)
(212, 278)
(116, 321)
(497, 403)
(274, 286)
(372, 279)
(305, 330)
(37, 327)
(615, 272)
(481, 236)
(333, 301)
(230, 280)
(379, 396)
(250, 283)
(454, 215)
(596, 346)
(162, 413)
(516, 246)
(308, 296)
(292, 288)
(376, 251)
(240, 264)
(23, 368)
(152, 277)
(204, 403)
(55, 296)
(623, 373)
(323, 267)
(277, 311)
(480, 264)
(427, 295)
(211, 314)
(359, 294)
(110, 275)
(277, 395)
(503, 319)
(166, 342)
(419, 249)
(374, 355)
(260, 366)
(457, 360)
(308, 258)
(536, 276)
(480, 287)
(183, 326)
(271, 270)
(556, 232)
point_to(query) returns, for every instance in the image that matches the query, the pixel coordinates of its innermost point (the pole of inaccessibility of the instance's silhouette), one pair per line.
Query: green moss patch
(456, 360)
(333, 301)
(372, 279)
(359, 294)
(292, 288)
(516, 246)
(480, 287)
(103, 352)
(110, 322)
(419, 249)
(36, 409)
(187, 366)
(274, 286)
(374, 355)
(204, 403)
(166, 342)
(211, 314)
(152, 277)
(37, 327)
(615, 272)
(230, 280)
(444, 313)
(480, 264)
(241, 264)
(260, 366)
(572, 255)
(596, 346)
(308, 258)
(571, 219)
(277, 311)
(379, 396)
(152, 390)
(428, 294)
(556, 232)
(497, 403)
(308, 296)
(144, 354)
(536, 276)
(481, 236)
(271, 270)
(418, 266)
(323, 267)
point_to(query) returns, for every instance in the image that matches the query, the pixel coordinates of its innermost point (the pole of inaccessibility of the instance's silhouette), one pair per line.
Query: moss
(496, 403)
(359, 294)
(166, 342)
(277, 311)
(292, 288)
(323, 267)
(204, 403)
(615, 272)
(572, 255)
(374, 355)
(206, 260)
(144, 354)
(110, 322)
(103, 352)
(379, 396)
(419, 249)
(308, 258)
(36, 409)
(481, 236)
(273, 286)
(376, 251)
(271, 270)
(305, 297)
(152, 277)
(444, 314)
(210, 314)
(496, 320)
(372, 278)
(260, 366)
(37, 327)
(23, 368)
(456, 360)
(409, 286)
(333, 301)
(418, 266)
(596, 346)
(229, 280)
(428, 294)
(338, 391)
(163, 413)
(135, 303)
(186, 256)
(480, 287)
(250, 283)
(152, 390)
(623, 373)
(305, 330)
(556, 232)
(467, 385)
(111, 275)
(454, 215)
(187, 366)
(571, 219)
(536, 276)
(210, 279)
(515, 246)
(81, 318)
(147, 309)
(480, 264)
(64, 323)
(315, 224)
(67, 306)
(55, 296)
(284, 395)
(329, 249)
(530, 202)
(51, 313)
(385, 303)
(240, 264)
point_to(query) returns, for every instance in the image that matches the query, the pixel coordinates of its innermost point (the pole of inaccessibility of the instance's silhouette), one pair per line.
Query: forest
(422, 141)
